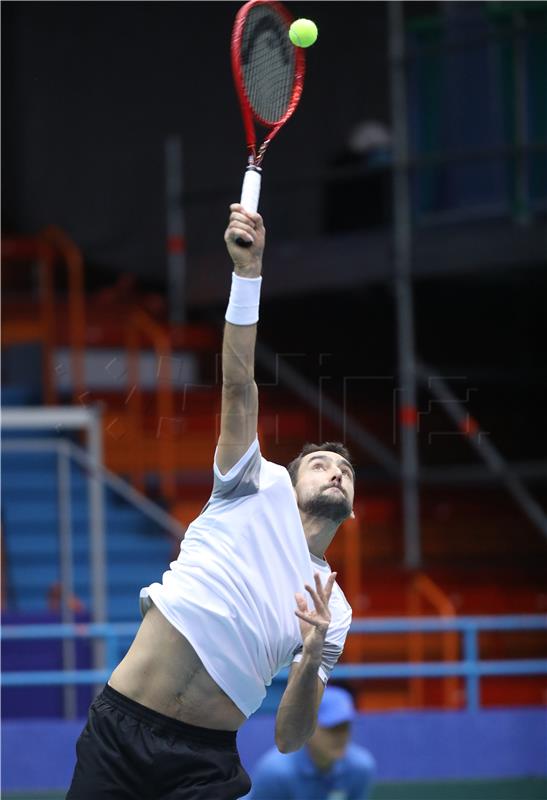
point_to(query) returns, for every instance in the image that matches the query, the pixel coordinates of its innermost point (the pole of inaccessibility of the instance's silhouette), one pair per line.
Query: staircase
(137, 550)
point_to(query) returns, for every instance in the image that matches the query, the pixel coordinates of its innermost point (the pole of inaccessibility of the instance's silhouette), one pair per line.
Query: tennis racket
(269, 77)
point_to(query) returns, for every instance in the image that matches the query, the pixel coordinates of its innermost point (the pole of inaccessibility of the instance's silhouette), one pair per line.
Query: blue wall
(407, 746)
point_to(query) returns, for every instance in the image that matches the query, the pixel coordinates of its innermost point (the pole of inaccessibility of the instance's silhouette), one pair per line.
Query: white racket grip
(250, 191)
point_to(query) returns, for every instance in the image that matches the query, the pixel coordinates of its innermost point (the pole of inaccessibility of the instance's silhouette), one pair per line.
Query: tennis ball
(303, 32)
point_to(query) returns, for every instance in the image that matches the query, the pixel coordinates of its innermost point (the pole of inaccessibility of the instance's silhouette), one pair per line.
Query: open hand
(314, 623)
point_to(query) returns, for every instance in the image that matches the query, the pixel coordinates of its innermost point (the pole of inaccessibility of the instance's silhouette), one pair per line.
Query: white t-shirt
(231, 590)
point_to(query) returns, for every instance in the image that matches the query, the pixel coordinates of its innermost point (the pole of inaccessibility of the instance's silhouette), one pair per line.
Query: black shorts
(129, 751)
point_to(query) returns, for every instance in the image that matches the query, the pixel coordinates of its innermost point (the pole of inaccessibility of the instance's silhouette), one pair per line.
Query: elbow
(286, 743)
(285, 746)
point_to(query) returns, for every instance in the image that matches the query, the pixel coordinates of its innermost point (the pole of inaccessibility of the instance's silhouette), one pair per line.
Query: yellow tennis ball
(303, 32)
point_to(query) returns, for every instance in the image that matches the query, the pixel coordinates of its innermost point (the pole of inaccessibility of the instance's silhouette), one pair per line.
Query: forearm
(297, 713)
(239, 391)
(239, 411)
(238, 355)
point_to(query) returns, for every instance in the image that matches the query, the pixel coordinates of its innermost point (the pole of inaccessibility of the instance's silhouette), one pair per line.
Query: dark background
(91, 91)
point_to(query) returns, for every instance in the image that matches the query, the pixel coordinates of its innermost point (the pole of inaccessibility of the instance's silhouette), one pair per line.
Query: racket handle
(250, 194)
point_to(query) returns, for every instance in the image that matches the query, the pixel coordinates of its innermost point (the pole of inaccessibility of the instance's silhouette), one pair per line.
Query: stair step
(36, 548)
(122, 576)
(16, 396)
(36, 462)
(47, 513)
(124, 608)
(40, 481)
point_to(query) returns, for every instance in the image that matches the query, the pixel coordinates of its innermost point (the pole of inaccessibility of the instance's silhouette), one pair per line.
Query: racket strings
(268, 64)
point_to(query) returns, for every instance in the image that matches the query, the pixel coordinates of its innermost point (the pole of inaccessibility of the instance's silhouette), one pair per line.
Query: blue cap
(336, 707)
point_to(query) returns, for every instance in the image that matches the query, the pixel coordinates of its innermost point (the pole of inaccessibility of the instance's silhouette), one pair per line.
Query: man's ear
(352, 515)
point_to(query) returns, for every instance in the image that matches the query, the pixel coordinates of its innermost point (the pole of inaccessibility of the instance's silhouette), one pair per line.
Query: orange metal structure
(72, 258)
(21, 322)
(423, 590)
(140, 325)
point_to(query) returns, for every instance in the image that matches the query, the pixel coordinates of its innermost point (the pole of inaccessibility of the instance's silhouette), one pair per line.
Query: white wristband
(244, 300)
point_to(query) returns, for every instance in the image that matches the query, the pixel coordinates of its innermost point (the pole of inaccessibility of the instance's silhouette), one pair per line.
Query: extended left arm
(297, 713)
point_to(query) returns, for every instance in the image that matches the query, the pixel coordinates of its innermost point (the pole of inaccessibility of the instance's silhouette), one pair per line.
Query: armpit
(242, 479)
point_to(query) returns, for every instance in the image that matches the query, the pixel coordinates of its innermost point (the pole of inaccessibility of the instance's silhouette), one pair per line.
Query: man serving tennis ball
(231, 611)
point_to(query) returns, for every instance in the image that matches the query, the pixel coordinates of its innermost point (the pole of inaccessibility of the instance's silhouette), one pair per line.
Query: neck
(319, 533)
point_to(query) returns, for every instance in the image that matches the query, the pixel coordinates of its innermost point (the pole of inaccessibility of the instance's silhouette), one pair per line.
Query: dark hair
(333, 447)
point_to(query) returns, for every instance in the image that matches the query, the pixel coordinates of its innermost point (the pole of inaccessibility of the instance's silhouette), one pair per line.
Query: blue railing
(471, 667)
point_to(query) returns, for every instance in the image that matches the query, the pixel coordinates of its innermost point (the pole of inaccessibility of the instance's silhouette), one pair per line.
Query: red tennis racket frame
(249, 116)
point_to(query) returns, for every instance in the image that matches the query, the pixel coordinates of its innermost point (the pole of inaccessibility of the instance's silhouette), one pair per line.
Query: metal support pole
(96, 533)
(66, 573)
(176, 239)
(471, 654)
(403, 288)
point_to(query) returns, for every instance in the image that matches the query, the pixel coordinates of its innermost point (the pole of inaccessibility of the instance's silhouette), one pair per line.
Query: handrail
(423, 588)
(24, 249)
(471, 668)
(152, 510)
(73, 260)
(141, 323)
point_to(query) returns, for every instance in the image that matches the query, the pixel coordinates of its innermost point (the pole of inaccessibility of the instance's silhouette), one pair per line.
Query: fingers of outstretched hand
(301, 602)
(318, 600)
(322, 593)
(307, 617)
(302, 611)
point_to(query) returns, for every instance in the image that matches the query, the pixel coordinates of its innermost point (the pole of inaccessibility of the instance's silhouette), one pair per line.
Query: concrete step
(121, 576)
(35, 548)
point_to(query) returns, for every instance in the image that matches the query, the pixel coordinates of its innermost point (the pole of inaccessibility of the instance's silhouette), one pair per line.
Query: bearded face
(324, 488)
(328, 503)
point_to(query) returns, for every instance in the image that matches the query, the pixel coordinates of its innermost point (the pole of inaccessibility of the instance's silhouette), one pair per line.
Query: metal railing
(98, 477)
(471, 666)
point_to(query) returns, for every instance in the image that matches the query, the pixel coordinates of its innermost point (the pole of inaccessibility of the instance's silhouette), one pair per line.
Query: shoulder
(275, 763)
(276, 472)
(340, 600)
(360, 759)
(341, 614)
(242, 479)
(274, 759)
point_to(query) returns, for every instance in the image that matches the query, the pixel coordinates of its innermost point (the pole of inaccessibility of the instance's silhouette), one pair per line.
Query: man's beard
(333, 506)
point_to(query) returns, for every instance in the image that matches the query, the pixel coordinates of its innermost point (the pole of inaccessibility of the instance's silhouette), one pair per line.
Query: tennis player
(232, 610)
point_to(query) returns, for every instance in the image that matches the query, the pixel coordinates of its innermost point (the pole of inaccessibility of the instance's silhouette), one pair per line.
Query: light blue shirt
(294, 776)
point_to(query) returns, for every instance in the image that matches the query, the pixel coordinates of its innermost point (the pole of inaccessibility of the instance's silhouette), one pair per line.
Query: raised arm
(297, 712)
(239, 411)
